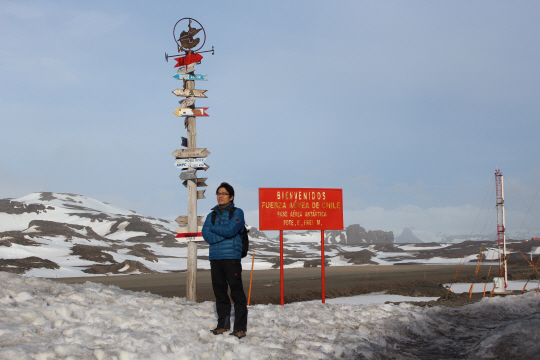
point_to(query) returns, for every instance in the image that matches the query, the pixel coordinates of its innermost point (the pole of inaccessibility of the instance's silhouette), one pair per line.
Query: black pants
(228, 272)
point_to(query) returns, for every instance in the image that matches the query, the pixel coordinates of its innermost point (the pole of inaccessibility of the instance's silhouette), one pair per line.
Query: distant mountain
(407, 236)
(79, 235)
(65, 235)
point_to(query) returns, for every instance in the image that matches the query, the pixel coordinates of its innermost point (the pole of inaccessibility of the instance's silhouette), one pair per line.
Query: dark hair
(227, 187)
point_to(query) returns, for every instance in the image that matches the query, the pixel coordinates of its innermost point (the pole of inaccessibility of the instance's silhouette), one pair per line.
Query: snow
(512, 285)
(373, 298)
(42, 319)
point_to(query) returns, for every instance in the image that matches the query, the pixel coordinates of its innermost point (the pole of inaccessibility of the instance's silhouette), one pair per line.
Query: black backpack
(245, 239)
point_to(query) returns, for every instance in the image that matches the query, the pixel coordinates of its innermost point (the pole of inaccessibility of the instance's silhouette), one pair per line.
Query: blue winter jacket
(224, 236)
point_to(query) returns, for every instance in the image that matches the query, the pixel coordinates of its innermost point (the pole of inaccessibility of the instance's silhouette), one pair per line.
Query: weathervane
(186, 41)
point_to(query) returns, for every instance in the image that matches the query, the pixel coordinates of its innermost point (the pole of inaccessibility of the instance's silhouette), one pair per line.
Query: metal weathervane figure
(186, 41)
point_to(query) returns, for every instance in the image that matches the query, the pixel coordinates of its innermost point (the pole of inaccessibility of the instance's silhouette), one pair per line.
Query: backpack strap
(231, 212)
(213, 217)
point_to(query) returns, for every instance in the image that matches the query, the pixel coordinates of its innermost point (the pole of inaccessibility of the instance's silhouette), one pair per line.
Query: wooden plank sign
(300, 209)
(187, 102)
(200, 194)
(183, 229)
(186, 69)
(188, 175)
(200, 182)
(183, 220)
(183, 111)
(190, 92)
(191, 153)
(190, 163)
(191, 77)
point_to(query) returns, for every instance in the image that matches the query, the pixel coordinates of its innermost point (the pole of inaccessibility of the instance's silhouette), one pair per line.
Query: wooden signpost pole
(191, 159)
(191, 281)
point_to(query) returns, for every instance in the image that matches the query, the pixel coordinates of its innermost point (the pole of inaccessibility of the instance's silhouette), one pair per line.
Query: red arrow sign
(184, 235)
(188, 59)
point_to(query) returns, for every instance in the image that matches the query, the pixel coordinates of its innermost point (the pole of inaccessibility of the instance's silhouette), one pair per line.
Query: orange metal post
(251, 279)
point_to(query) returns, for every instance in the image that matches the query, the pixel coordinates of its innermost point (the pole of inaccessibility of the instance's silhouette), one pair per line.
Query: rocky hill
(68, 235)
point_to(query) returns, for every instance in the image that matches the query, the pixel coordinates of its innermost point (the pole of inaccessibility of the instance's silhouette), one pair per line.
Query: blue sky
(409, 107)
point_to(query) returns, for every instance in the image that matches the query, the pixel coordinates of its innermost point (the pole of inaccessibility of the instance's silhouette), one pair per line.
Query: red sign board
(300, 209)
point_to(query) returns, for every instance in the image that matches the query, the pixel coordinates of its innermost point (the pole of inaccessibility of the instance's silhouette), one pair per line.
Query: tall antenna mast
(501, 228)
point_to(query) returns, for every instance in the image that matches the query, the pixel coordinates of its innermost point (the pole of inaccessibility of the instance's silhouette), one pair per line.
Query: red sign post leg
(281, 265)
(322, 266)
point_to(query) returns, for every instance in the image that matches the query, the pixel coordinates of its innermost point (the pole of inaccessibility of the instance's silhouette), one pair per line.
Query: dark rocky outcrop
(130, 266)
(93, 253)
(355, 234)
(359, 257)
(316, 263)
(141, 250)
(20, 266)
(14, 207)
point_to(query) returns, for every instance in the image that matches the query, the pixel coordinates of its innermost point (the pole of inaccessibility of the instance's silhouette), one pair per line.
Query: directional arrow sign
(191, 77)
(187, 102)
(191, 153)
(205, 167)
(191, 163)
(188, 92)
(183, 229)
(200, 182)
(181, 235)
(183, 111)
(190, 237)
(186, 69)
(183, 219)
(200, 194)
(188, 175)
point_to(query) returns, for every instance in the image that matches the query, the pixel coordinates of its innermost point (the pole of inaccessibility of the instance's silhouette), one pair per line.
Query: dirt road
(301, 284)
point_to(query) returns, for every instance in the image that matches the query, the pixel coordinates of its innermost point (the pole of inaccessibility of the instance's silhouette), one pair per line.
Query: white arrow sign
(190, 163)
(184, 69)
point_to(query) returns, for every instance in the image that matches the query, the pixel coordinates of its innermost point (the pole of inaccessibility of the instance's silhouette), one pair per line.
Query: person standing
(221, 230)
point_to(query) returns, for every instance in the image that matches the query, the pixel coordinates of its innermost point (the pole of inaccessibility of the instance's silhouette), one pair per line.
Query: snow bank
(42, 319)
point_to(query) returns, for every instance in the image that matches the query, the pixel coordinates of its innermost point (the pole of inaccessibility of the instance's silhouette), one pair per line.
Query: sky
(409, 107)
